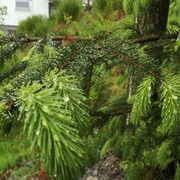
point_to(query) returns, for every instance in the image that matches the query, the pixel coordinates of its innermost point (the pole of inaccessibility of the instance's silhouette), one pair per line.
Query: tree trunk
(154, 19)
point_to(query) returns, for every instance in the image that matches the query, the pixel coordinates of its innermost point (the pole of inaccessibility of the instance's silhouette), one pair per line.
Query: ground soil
(106, 169)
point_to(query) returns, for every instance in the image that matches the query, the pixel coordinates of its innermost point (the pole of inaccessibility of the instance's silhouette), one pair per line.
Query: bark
(154, 19)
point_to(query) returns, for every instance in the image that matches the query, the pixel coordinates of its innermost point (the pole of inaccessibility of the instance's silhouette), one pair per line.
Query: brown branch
(88, 85)
(70, 38)
(147, 39)
(53, 38)
(129, 60)
(67, 62)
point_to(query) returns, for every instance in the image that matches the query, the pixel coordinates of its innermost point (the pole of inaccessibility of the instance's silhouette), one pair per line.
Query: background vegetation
(37, 25)
(68, 8)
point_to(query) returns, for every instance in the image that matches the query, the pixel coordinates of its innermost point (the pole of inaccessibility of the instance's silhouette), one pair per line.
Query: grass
(13, 149)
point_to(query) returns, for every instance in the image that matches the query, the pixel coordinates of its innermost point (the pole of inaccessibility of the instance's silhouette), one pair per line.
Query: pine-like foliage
(164, 154)
(177, 175)
(174, 7)
(142, 100)
(51, 102)
(170, 108)
(51, 107)
(54, 115)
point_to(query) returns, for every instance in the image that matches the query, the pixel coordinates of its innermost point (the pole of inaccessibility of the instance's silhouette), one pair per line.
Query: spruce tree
(46, 83)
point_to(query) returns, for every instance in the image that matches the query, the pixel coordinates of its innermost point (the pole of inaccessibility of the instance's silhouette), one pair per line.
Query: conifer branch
(68, 61)
(13, 70)
(129, 60)
(147, 39)
(29, 39)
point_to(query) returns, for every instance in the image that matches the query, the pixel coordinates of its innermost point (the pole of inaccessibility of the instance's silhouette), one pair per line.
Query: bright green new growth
(171, 103)
(47, 113)
(142, 100)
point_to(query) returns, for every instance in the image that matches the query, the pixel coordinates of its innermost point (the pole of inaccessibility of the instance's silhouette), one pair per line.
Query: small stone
(91, 178)
(95, 172)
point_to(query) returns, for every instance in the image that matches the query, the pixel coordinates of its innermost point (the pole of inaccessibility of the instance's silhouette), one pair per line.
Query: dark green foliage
(7, 51)
(36, 24)
(93, 144)
(13, 70)
(114, 5)
(107, 5)
(100, 4)
(68, 8)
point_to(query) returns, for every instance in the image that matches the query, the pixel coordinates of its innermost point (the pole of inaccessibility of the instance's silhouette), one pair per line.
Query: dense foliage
(68, 95)
(36, 24)
(67, 8)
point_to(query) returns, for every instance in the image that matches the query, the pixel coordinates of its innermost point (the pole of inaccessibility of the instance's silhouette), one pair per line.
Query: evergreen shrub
(36, 24)
(71, 8)
(107, 5)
